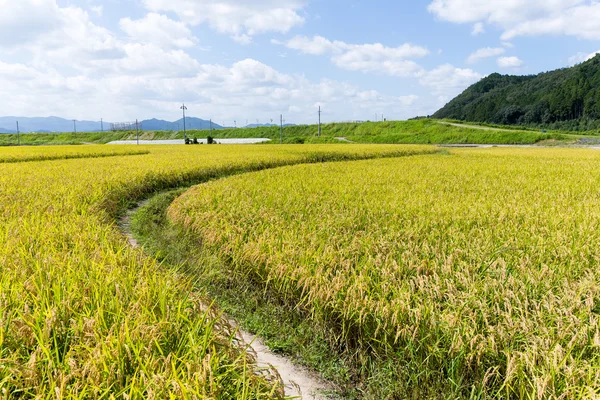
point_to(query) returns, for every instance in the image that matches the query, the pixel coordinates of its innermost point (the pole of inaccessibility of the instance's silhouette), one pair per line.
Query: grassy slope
(425, 131)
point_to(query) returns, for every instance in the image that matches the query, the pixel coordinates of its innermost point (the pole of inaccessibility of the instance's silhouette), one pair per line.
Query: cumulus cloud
(444, 81)
(579, 18)
(484, 53)
(77, 69)
(582, 57)
(478, 29)
(24, 21)
(509, 62)
(241, 19)
(375, 57)
(72, 67)
(158, 29)
(98, 10)
(245, 88)
(54, 34)
(447, 81)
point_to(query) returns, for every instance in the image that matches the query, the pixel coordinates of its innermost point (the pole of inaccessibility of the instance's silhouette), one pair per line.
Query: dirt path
(299, 382)
(483, 128)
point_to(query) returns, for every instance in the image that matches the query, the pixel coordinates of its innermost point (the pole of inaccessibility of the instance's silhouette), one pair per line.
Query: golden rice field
(23, 154)
(475, 274)
(85, 316)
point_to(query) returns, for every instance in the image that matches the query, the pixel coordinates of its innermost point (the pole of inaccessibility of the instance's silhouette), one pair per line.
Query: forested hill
(563, 99)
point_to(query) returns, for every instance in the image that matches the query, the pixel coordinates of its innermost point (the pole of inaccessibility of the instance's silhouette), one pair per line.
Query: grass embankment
(538, 129)
(424, 131)
(84, 315)
(473, 275)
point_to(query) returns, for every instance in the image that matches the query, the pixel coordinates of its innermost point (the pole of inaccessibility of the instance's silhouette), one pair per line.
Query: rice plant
(84, 315)
(474, 274)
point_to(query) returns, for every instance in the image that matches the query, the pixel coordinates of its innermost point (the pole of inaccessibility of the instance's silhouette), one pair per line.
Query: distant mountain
(567, 98)
(48, 124)
(56, 124)
(190, 123)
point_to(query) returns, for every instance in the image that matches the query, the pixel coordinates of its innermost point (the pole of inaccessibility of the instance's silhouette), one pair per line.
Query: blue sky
(247, 60)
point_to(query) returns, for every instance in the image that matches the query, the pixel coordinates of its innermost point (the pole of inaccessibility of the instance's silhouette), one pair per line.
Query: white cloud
(98, 10)
(509, 62)
(315, 46)
(579, 18)
(23, 21)
(484, 53)
(123, 88)
(165, 63)
(582, 57)
(363, 57)
(53, 35)
(444, 81)
(447, 81)
(158, 29)
(72, 67)
(478, 29)
(582, 21)
(242, 39)
(239, 18)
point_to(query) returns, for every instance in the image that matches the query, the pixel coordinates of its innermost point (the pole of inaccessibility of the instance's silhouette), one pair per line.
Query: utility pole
(281, 129)
(211, 127)
(319, 121)
(74, 126)
(101, 125)
(246, 123)
(18, 134)
(235, 124)
(137, 132)
(183, 107)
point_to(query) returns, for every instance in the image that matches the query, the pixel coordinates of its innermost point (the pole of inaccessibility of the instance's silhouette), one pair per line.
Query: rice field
(24, 154)
(472, 274)
(83, 314)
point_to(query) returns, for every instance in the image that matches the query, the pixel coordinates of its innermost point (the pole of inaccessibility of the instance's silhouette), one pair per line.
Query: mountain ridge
(56, 124)
(567, 98)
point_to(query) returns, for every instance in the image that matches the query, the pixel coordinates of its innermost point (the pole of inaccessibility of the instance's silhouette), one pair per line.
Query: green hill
(566, 99)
